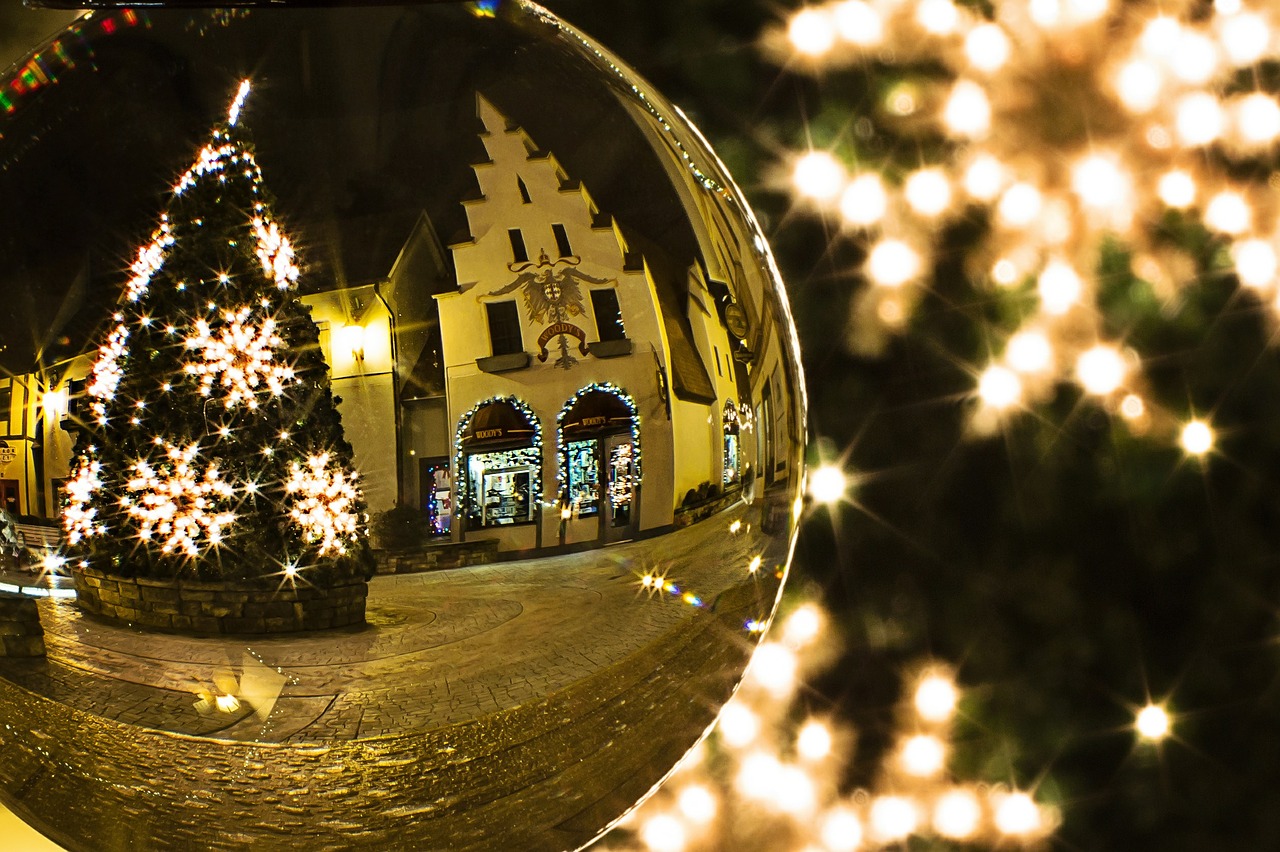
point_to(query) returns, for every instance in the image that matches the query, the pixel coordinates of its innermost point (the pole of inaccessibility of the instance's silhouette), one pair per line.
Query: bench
(39, 538)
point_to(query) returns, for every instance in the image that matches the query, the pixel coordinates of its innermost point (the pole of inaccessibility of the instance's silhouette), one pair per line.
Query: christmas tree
(213, 447)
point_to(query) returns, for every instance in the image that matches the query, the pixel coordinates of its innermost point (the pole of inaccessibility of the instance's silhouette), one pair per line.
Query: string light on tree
(1168, 112)
(1152, 723)
(209, 322)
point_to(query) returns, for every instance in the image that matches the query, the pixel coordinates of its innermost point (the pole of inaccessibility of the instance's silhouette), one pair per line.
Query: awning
(497, 425)
(596, 413)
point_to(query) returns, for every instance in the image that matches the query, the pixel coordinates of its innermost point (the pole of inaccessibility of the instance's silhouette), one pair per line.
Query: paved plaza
(530, 700)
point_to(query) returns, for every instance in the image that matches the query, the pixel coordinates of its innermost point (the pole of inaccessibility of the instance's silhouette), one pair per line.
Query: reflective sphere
(400, 431)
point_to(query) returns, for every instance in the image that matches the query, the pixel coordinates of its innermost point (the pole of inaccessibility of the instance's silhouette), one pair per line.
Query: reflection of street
(476, 697)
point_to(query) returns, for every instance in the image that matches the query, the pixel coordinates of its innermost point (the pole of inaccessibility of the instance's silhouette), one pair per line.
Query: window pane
(504, 328)
(584, 485)
(518, 251)
(6, 401)
(500, 487)
(562, 240)
(608, 315)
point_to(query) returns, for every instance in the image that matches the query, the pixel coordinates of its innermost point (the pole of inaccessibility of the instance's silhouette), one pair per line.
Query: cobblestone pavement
(515, 705)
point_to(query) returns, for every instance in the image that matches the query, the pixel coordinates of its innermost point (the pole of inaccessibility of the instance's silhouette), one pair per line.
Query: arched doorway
(599, 442)
(499, 445)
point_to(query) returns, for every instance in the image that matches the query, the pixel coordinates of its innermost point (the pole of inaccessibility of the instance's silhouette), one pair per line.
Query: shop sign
(561, 329)
(7, 453)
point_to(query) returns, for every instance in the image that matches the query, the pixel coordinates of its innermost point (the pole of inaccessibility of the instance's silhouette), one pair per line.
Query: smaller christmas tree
(214, 448)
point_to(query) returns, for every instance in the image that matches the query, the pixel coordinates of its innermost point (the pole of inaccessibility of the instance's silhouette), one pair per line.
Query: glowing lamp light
(813, 742)
(1098, 181)
(1196, 58)
(864, 201)
(858, 23)
(1258, 119)
(55, 403)
(818, 176)
(938, 17)
(1152, 723)
(1004, 272)
(923, 756)
(1160, 36)
(794, 792)
(1019, 205)
(811, 32)
(738, 725)
(893, 818)
(967, 112)
(828, 484)
(1100, 370)
(802, 626)
(987, 48)
(935, 698)
(1198, 119)
(758, 776)
(1244, 38)
(984, 177)
(999, 388)
(1177, 189)
(928, 192)
(1138, 83)
(1029, 352)
(892, 263)
(1017, 815)
(773, 667)
(1196, 438)
(350, 340)
(754, 565)
(1228, 213)
(1059, 287)
(956, 815)
(227, 703)
(697, 804)
(1045, 13)
(1255, 262)
(841, 830)
(1132, 407)
(663, 833)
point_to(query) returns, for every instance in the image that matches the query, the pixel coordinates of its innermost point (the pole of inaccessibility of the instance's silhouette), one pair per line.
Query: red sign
(556, 330)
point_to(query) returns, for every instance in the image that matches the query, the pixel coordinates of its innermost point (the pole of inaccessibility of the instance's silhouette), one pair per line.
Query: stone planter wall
(183, 606)
(437, 557)
(20, 632)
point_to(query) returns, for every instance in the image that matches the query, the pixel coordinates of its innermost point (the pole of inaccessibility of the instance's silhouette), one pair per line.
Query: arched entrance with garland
(598, 439)
(499, 462)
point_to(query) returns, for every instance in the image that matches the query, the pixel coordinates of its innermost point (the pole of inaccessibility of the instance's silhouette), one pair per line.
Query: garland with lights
(562, 451)
(214, 448)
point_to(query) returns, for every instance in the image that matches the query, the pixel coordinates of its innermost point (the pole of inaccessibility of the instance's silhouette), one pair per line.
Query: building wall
(17, 464)
(679, 447)
(355, 334)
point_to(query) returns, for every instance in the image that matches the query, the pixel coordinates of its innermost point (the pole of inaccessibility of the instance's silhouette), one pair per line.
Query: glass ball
(403, 431)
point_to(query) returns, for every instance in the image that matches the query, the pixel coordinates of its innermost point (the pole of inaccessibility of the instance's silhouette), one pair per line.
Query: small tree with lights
(213, 448)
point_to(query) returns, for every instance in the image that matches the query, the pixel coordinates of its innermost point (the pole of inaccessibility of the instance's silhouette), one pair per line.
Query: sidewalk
(470, 694)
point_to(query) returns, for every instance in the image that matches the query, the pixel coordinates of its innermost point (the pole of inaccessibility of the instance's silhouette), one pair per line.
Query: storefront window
(731, 448)
(499, 464)
(584, 485)
(502, 486)
(438, 497)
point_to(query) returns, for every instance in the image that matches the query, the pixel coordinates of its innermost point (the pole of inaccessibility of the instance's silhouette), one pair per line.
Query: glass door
(620, 520)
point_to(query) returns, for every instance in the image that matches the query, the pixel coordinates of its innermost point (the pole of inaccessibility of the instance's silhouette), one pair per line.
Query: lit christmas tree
(213, 446)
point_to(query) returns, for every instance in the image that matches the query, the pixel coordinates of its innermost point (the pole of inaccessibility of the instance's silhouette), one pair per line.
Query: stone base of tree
(183, 606)
(437, 557)
(20, 632)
